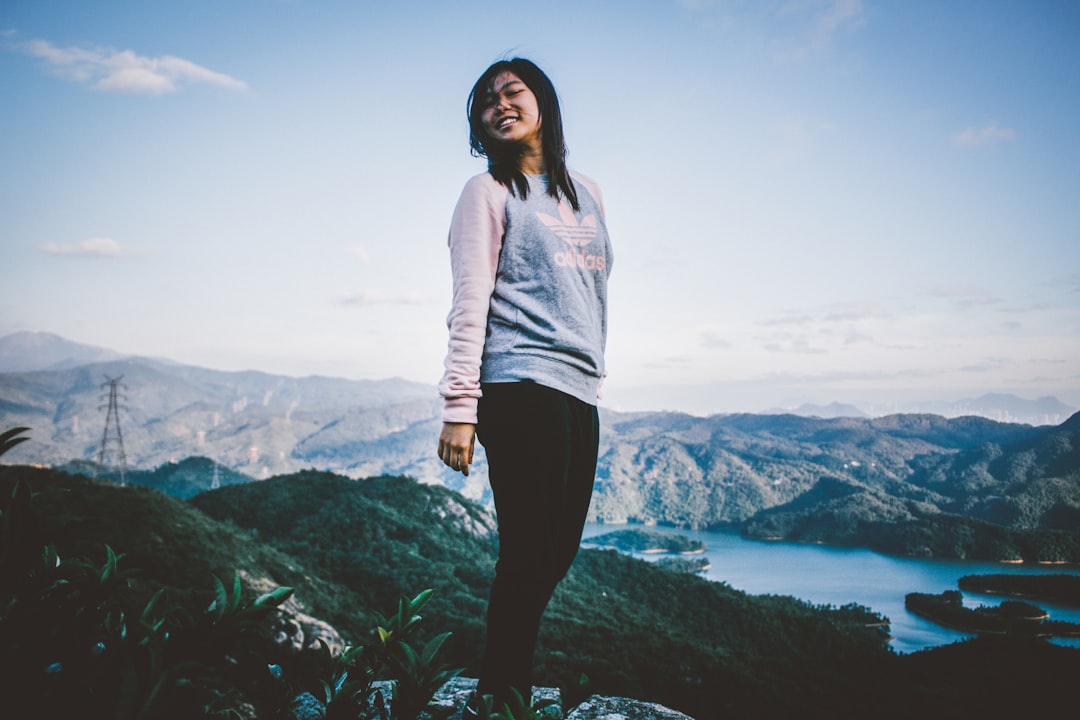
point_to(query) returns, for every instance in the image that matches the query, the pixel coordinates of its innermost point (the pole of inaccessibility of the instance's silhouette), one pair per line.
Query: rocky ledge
(451, 697)
(453, 694)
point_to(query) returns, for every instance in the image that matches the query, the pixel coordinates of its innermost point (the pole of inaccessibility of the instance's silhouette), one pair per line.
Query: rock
(308, 707)
(452, 696)
(449, 698)
(600, 707)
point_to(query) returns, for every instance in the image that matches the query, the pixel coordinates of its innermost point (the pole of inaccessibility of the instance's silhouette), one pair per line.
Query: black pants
(541, 447)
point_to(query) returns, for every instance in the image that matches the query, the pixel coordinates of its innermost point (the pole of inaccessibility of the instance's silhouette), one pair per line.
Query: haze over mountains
(911, 484)
(1002, 407)
(33, 351)
(262, 424)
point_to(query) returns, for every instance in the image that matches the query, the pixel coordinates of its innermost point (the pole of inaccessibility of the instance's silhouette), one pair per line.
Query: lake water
(838, 576)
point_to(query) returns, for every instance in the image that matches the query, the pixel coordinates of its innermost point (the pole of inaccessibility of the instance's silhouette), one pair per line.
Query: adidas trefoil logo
(567, 227)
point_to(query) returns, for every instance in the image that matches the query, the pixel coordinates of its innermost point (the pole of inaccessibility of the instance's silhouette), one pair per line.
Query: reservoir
(824, 575)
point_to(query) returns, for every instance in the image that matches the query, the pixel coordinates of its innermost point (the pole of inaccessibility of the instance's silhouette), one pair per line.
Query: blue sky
(866, 201)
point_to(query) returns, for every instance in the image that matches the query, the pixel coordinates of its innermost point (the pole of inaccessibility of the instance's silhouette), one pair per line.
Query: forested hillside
(350, 547)
(1005, 500)
(700, 472)
(911, 484)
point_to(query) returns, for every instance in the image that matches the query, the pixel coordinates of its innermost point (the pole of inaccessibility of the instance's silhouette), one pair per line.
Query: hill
(250, 422)
(906, 484)
(27, 351)
(635, 629)
(911, 484)
(1015, 499)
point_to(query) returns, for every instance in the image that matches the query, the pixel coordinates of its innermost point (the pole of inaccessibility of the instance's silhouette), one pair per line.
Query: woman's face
(511, 113)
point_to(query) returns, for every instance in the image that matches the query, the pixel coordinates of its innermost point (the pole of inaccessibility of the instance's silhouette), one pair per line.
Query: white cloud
(124, 71)
(800, 29)
(796, 345)
(365, 298)
(989, 134)
(786, 320)
(359, 252)
(987, 365)
(855, 311)
(91, 247)
(965, 295)
(715, 340)
(818, 22)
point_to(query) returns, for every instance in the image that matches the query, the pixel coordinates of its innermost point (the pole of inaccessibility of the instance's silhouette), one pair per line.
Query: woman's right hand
(456, 443)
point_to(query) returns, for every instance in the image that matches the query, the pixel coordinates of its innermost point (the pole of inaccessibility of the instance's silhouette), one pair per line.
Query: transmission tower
(111, 455)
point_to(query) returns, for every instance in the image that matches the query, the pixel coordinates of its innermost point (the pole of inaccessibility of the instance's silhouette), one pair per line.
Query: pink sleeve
(594, 190)
(476, 235)
(592, 187)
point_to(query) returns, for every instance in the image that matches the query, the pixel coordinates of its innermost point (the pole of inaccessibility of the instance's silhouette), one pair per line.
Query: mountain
(832, 410)
(700, 472)
(351, 547)
(251, 422)
(25, 351)
(1003, 407)
(1010, 500)
(907, 483)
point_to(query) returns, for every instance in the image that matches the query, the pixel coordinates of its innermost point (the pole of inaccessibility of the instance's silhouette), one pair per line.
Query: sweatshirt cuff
(459, 410)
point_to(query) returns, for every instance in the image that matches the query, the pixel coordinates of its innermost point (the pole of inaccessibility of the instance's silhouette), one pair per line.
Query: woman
(530, 257)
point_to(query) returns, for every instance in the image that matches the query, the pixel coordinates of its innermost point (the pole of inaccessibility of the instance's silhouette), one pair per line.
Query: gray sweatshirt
(530, 292)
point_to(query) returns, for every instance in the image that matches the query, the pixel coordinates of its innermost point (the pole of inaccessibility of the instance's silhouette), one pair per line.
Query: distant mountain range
(29, 351)
(908, 483)
(1002, 407)
(252, 422)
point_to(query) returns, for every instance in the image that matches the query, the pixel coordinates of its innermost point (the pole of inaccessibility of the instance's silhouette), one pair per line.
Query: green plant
(75, 636)
(10, 438)
(348, 689)
(79, 638)
(516, 708)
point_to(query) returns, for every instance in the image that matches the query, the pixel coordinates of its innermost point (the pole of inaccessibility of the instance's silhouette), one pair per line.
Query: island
(1011, 617)
(1058, 588)
(644, 541)
(690, 565)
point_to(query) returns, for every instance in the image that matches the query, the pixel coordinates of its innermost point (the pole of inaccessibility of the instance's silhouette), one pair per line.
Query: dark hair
(502, 157)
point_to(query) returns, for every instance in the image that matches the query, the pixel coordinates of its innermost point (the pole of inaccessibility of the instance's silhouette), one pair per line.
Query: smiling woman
(519, 97)
(510, 114)
(528, 326)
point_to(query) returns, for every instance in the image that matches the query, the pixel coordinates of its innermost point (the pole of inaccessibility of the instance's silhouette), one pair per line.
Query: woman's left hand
(456, 443)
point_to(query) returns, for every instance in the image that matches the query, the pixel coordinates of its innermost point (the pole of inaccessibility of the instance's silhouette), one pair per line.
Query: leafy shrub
(75, 640)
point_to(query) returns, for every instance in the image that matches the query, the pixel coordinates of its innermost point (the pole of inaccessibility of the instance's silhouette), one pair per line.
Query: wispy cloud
(366, 298)
(854, 311)
(989, 134)
(816, 25)
(800, 29)
(715, 340)
(359, 252)
(798, 320)
(987, 365)
(91, 247)
(965, 295)
(124, 71)
(796, 345)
